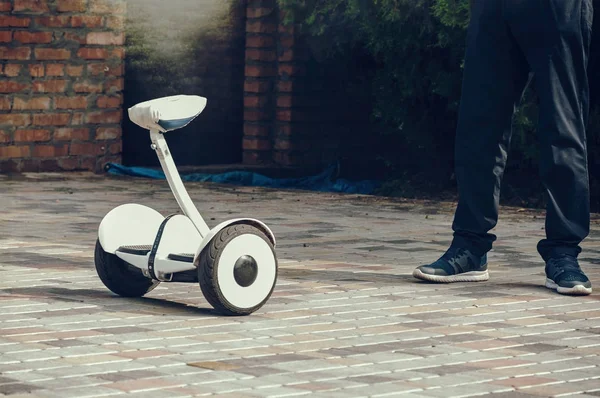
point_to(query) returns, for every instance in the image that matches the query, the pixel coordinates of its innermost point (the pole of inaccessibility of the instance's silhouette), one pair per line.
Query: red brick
(289, 55)
(97, 68)
(109, 102)
(259, 41)
(55, 69)
(87, 21)
(257, 87)
(33, 37)
(68, 163)
(78, 119)
(15, 119)
(32, 135)
(36, 70)
(46, 164)
(50, 151)
(256, 157)
(36, 103)
(30, 165)
(12, 70)
(74, 70)
(70, 102)
(115, 22)
(255, 54)
(92, 53)
(108, 133)
(260, 27)
(51, 119)
(284, 101)
(104, 69)
(71, 5)
(17, 53)
(87, 87)
(114, 86)
(115, 148)
(258, 12)
(4, 136)
(284, 145)
(286, 29)
(75, 37)
(5, 6)
(287, 42)
(117, 53)
(105, 39)
(6, 36)
(106, 7)
(260, 70)
(60, 21)
(9, 86)
(255, 101)
(104, 117)
(69, 134)
(256, 144)
(286, 130)
(255, 130)
(14, 22)
(87, 148)
(31, 6)
(88, 163)
(14, 151)
(47, 54)
(255, 115)
(285, 159)
(284, 115)
(5, 103)
(50, 86)
(285, 86)
(287, 70)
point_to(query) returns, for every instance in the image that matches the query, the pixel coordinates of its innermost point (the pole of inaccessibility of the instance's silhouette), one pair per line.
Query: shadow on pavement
(147, 305)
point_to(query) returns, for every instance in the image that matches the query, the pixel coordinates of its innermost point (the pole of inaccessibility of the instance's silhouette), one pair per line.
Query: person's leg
(555, 37)
(495, 76)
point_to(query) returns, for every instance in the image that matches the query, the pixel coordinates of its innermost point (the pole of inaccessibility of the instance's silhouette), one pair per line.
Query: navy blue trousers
(507, 42)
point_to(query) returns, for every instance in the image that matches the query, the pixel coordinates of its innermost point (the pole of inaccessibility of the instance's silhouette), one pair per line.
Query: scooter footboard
(129, 224)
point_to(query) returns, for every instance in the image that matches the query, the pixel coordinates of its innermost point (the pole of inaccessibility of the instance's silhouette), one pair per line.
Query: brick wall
(61, 82)
(293, 114)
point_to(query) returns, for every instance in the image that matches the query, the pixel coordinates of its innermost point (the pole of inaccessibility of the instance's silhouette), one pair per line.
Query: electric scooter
(138, 248)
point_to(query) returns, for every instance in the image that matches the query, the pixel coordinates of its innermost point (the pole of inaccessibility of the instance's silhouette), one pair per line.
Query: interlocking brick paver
(345, 320)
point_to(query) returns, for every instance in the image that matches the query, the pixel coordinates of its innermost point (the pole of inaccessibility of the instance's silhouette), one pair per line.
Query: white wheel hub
(242, 249)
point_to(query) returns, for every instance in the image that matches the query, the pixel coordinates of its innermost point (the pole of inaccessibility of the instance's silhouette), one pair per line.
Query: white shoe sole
(473, 276)
(577, 290)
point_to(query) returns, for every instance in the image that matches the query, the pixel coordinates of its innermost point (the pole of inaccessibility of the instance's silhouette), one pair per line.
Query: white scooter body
(131, 231)
(137, 225)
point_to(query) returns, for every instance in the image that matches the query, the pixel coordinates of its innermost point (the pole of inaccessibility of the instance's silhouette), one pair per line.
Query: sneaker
(564, 275)
(456, 265)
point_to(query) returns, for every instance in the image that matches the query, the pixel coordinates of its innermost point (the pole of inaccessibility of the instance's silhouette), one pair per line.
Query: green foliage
(418, 48)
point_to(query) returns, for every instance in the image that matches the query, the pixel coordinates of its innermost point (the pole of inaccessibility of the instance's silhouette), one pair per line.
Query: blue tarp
(323, 182)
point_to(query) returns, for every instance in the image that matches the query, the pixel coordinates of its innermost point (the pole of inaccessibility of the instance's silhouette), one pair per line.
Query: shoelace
(454, 252)
(562, 264)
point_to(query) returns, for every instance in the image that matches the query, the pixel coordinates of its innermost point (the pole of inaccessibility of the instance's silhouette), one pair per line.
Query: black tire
(120, 277)
(208, 269)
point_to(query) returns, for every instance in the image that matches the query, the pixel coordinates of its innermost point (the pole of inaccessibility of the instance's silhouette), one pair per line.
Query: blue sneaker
(456, 265)
(564, 275)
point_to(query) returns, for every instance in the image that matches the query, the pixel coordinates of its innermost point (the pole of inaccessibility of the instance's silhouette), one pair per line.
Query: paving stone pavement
(346, 318)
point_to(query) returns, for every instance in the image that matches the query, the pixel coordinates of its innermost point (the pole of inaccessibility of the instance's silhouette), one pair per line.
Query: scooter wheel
(119, 276)
(238, 270)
